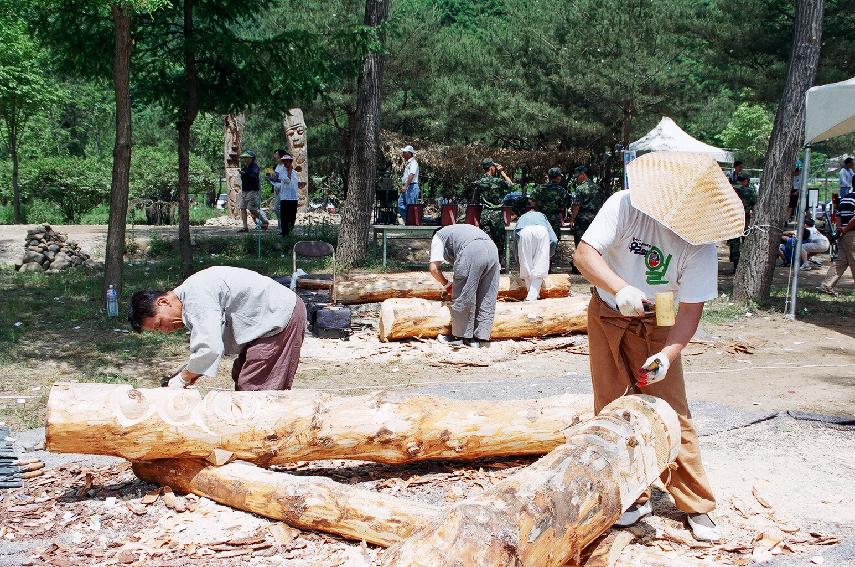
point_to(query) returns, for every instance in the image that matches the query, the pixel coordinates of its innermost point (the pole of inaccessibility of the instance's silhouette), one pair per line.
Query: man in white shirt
(229, 311)
(409, 181)
(285, 191)
(846, 175)
(631, 256)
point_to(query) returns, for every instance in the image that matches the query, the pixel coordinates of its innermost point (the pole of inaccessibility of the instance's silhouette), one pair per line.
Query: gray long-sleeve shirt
(225, 308)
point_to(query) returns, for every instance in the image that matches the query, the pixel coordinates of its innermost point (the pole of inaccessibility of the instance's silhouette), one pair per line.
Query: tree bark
(185, 248)
(306, 502)
(371, 288)
(356, 216)
(411, 318)
(545, 514)
(232, 141)
(299, 425)
(114, 255)
(16, 189)
(760, 248)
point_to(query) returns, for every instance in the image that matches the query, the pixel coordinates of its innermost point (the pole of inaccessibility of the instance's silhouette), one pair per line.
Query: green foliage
(154, 174)
(73, 185)
(748, 132)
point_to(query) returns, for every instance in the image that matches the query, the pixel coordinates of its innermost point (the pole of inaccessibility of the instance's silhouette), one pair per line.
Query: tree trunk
(185, 247)
(356, 216)
(16, 189)
(411, 318)
(306, 502)
(545, 514)
(299, 425)
(371, 288)
(760, 248)
(232, 141)
(114, 254)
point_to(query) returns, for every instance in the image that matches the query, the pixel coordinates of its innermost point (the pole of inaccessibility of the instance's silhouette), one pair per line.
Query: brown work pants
(269, 363)
(845, 259)
(619, 347)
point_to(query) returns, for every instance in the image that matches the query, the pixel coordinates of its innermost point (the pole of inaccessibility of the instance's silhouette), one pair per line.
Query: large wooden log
(411, 318)
(306, 502)
(300, 425)
(545, 514)
(371, 288)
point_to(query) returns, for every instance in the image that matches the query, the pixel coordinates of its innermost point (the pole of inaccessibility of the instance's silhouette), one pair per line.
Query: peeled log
(545, 514)
(300, 425)
(411, 318)
(371, 288)
(307, 502)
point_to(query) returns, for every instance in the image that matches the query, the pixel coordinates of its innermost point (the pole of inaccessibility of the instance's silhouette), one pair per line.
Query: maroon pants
(269, 363)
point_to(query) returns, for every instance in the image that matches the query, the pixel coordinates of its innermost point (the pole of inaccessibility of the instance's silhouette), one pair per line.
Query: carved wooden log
(307, 502)
(232, 139)
(370, 288)
(545, 514)
(409, 318)
(300, 425)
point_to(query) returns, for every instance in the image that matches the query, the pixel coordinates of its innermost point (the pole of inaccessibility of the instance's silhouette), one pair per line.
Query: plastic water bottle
(112, 302)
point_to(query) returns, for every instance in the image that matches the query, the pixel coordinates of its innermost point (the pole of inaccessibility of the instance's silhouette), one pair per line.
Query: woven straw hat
(688, 193)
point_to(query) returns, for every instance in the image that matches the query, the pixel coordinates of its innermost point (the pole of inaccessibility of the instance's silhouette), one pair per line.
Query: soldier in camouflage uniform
(552, 199)
(587, 199)
(490, 191)
(749, 199)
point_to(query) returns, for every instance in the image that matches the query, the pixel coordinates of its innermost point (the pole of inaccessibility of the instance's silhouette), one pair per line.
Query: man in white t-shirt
(409, 181)
(847, 176)
(630, 257)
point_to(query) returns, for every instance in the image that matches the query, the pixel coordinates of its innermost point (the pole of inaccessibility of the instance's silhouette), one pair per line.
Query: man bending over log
(475, 288)
(229, 311)
(655, 238)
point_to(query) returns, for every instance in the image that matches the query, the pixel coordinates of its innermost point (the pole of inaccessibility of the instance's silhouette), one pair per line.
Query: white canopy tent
(667, 136)
(829, 112)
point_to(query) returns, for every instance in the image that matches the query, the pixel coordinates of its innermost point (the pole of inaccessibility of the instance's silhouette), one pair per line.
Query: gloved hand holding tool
(654, 370)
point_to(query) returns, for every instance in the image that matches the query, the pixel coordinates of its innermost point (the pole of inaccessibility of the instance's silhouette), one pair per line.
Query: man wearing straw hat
(653, 241)
(409, 181)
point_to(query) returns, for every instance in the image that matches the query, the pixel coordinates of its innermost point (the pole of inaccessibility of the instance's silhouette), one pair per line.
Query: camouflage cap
(743, 177)
(580, 169)
(554, 172)
(487, 162)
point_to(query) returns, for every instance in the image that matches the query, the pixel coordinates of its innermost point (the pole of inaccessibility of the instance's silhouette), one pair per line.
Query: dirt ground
(773, 399)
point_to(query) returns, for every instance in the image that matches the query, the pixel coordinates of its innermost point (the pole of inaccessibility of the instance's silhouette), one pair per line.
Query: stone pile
(47, 250)
(10, 474)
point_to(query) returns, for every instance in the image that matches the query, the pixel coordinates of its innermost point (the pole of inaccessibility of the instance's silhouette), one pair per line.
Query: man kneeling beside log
(229, 311)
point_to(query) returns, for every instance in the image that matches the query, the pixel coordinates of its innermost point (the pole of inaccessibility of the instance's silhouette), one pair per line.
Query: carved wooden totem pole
(295, 133)
(234, 124)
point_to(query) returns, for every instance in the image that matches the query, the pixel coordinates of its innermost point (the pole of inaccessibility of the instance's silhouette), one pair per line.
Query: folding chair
(315, 249)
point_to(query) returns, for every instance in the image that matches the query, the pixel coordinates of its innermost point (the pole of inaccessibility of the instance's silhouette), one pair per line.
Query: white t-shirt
(649, 256)
(816, 235)
(846, 176)
(411, 167)
(437, 249)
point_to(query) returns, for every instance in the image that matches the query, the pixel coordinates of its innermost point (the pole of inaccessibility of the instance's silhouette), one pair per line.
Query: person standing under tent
(749, 199)
(846, 175)
(630, 256)
(845, 245)
(536, 243)
(733, 177)
(552, 199)
(409, 181)
(475, 288)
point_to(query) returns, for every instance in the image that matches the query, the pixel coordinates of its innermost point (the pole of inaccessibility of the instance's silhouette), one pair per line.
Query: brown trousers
(619, 346)
(845, 259)
(269, 363)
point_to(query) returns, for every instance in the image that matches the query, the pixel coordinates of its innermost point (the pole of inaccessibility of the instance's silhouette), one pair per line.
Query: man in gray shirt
(229, 311)
(476, 281)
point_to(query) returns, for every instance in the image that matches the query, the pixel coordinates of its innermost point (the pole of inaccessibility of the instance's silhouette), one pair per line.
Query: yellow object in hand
(665, 314)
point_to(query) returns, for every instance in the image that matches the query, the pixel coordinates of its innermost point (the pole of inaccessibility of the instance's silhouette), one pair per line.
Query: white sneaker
(472, 343)
(634, 513)
(449, 340)
(806, 267)
(703, 528)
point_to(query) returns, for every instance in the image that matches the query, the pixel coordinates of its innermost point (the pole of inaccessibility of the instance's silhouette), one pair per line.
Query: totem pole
(234, 124)
(295, 133)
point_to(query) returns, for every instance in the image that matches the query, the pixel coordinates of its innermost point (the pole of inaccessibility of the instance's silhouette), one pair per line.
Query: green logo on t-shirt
(657, 265)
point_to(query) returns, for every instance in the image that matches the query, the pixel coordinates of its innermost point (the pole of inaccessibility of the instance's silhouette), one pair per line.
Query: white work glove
(654, 370)
(177, 382)
(630, 301)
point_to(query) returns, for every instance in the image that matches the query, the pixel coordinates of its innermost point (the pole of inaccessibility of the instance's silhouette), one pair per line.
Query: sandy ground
(766, 393)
